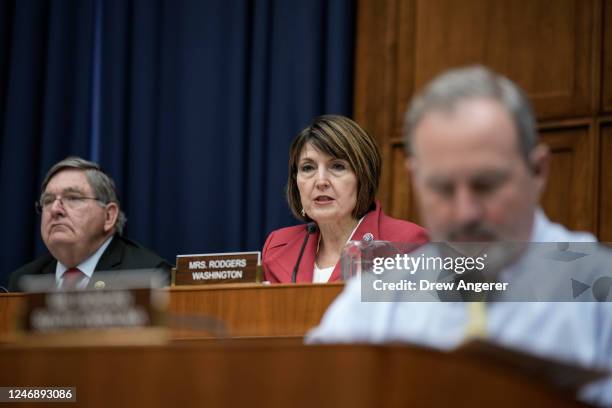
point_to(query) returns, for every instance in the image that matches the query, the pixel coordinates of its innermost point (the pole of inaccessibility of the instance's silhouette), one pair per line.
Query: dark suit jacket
(120, 254)
(282, 246)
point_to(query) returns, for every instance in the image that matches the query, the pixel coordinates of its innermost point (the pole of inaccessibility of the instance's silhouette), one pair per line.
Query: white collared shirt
(87, 266)
(322, 275)
(578, 332)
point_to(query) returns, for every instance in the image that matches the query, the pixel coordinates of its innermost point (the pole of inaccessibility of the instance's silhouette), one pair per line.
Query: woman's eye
(338, 166)
(306, 167)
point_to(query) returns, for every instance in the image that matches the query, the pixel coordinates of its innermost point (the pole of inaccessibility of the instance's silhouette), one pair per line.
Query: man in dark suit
(81, 226)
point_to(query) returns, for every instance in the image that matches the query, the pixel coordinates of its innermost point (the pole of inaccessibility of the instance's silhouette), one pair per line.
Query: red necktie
(72, 277)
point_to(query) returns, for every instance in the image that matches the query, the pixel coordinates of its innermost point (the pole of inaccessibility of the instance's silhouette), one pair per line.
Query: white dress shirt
(578, 332)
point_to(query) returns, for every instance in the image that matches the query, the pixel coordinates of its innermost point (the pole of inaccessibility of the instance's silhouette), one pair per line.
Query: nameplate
(204, 269)
(54, 312)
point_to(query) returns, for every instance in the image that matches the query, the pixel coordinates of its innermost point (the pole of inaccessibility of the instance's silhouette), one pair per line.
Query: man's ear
(111, 213)
(539, 162)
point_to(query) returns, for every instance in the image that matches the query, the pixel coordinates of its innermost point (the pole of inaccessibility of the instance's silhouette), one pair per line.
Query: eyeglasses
(72, 201)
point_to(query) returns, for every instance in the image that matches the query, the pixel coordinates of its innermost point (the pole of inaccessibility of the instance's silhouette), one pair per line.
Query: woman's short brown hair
(340, 138)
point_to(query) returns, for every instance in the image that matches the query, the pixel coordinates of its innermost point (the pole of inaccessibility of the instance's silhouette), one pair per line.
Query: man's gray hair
(102, 185)
(446, 91)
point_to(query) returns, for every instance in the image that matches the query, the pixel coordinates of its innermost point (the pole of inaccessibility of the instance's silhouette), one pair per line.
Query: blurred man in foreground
(81, 226)
(478, 172)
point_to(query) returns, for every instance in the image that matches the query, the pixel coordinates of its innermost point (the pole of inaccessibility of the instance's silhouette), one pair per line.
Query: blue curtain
(189, 105)
(45, 69)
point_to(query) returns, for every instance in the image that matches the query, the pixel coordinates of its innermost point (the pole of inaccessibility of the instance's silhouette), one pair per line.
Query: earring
(303, 212)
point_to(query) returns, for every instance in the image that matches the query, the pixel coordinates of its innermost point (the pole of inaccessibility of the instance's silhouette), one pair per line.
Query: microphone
(311, 227)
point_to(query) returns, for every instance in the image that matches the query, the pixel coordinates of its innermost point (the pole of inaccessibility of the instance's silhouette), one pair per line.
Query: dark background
(189, 105)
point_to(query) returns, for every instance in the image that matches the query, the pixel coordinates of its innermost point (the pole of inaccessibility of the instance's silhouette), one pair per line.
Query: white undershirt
(322, 275)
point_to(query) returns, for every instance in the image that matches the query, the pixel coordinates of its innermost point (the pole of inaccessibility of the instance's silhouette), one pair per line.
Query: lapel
(112, 256)
(285, 261)
(110, 259)
(50, 267)
(369, 225)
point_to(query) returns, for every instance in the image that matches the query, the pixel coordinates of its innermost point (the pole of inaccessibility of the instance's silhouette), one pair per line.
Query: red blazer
(282, 246)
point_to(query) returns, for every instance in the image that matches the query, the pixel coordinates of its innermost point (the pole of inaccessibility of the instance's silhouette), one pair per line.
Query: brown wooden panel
(250, 310)
(10, 308)
(375, 85)
(244, 310)
(241, 374)
(570, 194)
(605, 184)
(607, 57)
(376, 60)
(546, 46)
(551, 48)
(403, 199)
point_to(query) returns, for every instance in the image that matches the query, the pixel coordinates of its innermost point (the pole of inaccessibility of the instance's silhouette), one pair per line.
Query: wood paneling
(241, 374)
(605, 184)
(10, 307)
(558, 51)
(375, 85)
(250, 310)
(234, 310)
(569, 195)
(403, 200)
(545, 46)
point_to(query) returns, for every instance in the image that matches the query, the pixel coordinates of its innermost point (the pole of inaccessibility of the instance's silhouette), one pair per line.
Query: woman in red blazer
(334, 171)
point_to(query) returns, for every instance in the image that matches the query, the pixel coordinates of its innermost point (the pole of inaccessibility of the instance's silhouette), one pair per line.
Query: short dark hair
(341, 138)
(101, 184)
